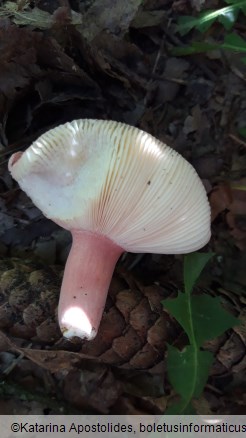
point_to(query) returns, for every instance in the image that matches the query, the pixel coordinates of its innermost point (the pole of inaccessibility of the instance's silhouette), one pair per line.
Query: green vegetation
(227, 17)
(203, 318)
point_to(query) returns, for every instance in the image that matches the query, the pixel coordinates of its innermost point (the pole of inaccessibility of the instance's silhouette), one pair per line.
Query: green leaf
(204, 47)
(210, 318)
(185, 24)
(242, 131)
(183, 51)
(228, 18)
(234, 42)
(188, 371)
(202, 317)
(180, 310)
(181, 406)
(235, 2)
(203, 22)
(193, 266)
(196, 47)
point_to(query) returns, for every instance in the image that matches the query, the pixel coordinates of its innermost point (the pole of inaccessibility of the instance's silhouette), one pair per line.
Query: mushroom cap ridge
(116, 180)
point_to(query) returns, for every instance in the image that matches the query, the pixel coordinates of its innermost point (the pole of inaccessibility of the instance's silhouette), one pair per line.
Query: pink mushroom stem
(86, 280)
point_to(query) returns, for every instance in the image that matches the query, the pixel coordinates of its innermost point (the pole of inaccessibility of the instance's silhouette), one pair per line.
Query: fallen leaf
(105, 15)
(220, 199)
(18, 57)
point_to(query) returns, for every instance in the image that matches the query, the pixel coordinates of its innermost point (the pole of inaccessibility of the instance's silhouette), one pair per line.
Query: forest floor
(65, 60)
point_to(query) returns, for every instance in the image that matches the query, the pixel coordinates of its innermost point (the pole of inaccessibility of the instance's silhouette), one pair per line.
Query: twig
(237, 140)
(13, 364)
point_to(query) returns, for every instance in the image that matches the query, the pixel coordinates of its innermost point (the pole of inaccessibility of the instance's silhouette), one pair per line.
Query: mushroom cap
(116, 180)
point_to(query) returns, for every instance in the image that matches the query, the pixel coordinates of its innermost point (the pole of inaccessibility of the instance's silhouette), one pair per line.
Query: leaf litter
(60, 63)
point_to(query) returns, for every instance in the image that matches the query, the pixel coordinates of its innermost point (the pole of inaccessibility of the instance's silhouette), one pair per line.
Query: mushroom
(116, 188)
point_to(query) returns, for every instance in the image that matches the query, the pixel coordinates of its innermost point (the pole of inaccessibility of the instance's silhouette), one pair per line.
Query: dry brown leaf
(105, 15)
(220, 199)
(53, 361)
(97, 388)
(236, 217)
(18, 57)
(147, 18)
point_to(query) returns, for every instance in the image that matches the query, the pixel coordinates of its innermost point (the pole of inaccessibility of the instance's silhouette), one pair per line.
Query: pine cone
(133, 329)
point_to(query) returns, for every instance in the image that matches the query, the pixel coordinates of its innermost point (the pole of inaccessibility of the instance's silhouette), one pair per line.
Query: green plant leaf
(180, 309)
(204, 47)
(195, 47)
(181, 406)
(238, 3)
(210, 318)
(234, 42)
(205, 20)
(202, 317)
(193, 266)
(188, 371)
(228, 18)
(187, 23)
(242, 132)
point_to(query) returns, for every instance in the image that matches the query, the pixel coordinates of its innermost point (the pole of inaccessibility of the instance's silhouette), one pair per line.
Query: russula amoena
(116, 188)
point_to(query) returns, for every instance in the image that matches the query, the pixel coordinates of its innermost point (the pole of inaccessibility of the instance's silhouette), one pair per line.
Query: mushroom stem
(86, 280)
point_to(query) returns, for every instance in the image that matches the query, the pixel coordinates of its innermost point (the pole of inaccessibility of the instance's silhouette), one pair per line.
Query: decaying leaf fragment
(18, 57)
